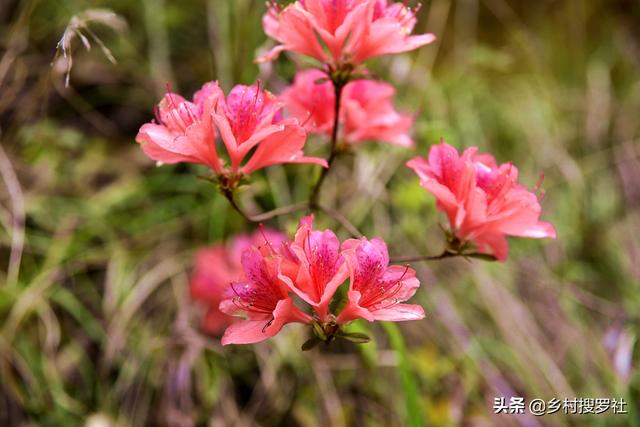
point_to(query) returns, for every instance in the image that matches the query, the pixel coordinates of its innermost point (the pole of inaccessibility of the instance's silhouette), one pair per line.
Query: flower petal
(245, 332)
(284, 146)
(400, 313)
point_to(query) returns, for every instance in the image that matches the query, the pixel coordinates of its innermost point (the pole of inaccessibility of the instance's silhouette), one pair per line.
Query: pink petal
(399, 313)
(245, 332)
(369, 114)
(202, 138)
(407, 279)
(252, 331)
(446, 199)
(332, 286)
(281, 147)
(443, 158)
(421, 167)
(495, 244)
(539, 231)
(296, 32)
(213, 273)
(162, 146)
(258, 137)
(215, 321)
(229, 140)
(309, 102)
(353, 311)
(386, 36)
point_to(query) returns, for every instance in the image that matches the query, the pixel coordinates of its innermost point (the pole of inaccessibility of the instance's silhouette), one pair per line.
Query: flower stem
(228, 194)
(341, 219)
(285, 210)
(338, 86)
(339, 78)
(265, 216)
(444, 255)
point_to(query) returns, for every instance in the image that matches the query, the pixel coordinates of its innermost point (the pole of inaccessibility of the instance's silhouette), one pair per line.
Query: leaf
(355, 337)
(311, 343)
(484, 257)
(318, 331)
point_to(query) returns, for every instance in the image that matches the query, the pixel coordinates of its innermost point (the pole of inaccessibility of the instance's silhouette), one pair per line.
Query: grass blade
(414, 415)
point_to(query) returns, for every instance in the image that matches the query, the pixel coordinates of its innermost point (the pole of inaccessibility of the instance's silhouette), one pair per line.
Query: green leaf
(311, 343)
(318, 331)
(355, 337)
(484, 257)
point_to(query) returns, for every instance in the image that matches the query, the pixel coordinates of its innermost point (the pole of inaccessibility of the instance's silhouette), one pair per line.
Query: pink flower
(483, 201)
(248, 120)
(318, 266)
(213, 272)
(262, 298)
(351, 30)
(219, 265)
(377, 289)
(366, 112)
(183, 131)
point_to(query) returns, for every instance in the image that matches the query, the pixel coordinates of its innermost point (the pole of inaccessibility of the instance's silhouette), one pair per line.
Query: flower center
(380, 294)
(245, 107)
(323, 265)
(496, 183)
(176, 115)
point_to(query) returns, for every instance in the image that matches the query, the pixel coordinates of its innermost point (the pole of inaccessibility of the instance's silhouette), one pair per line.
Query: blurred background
(96, 242)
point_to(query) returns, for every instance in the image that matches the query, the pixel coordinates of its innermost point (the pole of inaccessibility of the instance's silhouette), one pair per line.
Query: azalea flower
(262, 298)
(342, 31)
(218, 266)
(311, 267)
(376, 289)
(183, 130)
(316, 267)
(366, 111)
(248, 120)
(214, 270)
(483, 201)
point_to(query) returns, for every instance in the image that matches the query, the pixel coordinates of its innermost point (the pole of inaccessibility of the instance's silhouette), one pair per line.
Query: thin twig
(265, 216)
(280, 211)
(444, 255)
(334, 214)
(229, 196)
(341, 219)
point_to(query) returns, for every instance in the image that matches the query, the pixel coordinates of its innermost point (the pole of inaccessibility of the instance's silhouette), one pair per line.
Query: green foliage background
(96, 327)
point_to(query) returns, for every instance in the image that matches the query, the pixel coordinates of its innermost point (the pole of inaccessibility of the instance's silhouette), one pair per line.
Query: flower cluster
(310, 267)
(483, 201)
(268, 280)
(342, 31)
(366, 110)
(248, 120)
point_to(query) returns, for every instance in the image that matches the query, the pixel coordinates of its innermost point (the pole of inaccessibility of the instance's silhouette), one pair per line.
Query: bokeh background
(96, 242)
